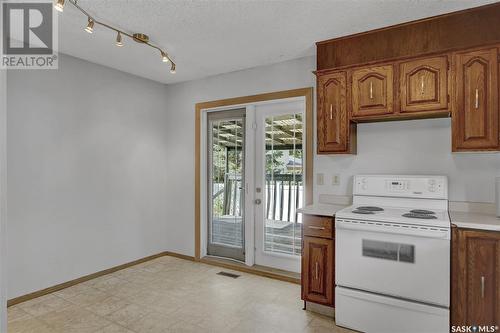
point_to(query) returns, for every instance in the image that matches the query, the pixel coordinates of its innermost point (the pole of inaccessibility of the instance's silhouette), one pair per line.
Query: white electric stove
(392, 255)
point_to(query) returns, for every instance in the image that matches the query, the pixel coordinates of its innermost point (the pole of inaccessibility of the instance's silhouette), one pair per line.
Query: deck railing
(283, 193)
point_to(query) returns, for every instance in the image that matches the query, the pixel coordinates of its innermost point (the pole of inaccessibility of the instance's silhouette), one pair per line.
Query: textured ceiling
(212, 37)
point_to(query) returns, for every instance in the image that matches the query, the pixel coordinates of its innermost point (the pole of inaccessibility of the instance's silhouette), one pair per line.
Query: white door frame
(283, 261)
(249, 178)
(250, 246)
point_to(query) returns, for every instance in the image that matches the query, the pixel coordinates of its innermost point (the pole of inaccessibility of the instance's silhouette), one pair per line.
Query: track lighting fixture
(119, 39)
(90, 26)
(59, 5)
(138, 37)
(164, 57)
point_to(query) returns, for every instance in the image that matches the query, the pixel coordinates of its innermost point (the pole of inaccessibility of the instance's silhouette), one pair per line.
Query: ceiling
(212, 37)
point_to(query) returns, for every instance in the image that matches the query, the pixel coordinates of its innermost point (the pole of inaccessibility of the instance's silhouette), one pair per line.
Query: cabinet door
(333, 123)
(424, 85)
(372, 91)
(318, 267)
(476, 298)
(475, 116)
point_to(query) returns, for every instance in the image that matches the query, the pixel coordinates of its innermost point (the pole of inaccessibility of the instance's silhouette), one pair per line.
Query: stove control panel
(426, 187)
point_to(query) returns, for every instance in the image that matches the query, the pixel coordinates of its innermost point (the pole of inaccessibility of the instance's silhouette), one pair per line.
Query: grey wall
(88, 172)
(409, 147)
(3, 197)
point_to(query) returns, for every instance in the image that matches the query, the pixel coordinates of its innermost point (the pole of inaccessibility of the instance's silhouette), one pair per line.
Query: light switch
(336, 179)
(320, 179)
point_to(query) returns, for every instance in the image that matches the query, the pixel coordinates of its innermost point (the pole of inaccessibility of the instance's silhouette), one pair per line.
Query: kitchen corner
(480, 216)
(327, 205)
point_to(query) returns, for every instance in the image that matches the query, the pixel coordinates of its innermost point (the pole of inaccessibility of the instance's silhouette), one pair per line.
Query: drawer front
(318, 226)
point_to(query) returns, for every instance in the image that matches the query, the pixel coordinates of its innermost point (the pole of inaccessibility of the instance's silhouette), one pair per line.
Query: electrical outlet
(336, 179)
(320, 179)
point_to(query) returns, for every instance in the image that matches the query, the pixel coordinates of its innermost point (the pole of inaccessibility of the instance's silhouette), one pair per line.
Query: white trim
(203, 186)
(268, 102)
(288, 262)
(250, 227)
(249, 186)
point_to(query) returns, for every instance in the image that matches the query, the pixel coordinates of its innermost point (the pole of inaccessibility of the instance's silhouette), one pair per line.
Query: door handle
(482, 286)
(331, 111)
(476, 104)
(422, 83)
(258, 201)
(371, 90)
(316, 269)
(316, 228)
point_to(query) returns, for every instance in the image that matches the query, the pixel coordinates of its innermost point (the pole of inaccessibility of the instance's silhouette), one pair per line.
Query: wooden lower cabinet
(318, 270)
(475, 285)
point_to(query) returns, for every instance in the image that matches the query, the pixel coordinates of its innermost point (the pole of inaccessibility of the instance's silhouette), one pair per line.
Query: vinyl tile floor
(170, 295)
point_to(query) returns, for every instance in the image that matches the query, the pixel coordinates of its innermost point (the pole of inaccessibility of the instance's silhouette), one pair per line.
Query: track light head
(164, 57)
(59, 5)
(90, 26)
(119, 42)
(172, 68)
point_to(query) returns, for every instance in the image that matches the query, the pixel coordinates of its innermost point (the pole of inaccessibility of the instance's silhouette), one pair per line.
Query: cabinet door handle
(482, 286)
(422, 83)
(371, 90)
(316, 228)
(476, 105)
(316, 273)
(331, 111)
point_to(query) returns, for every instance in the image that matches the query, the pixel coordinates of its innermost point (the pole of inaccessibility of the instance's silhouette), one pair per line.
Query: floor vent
(231, 275)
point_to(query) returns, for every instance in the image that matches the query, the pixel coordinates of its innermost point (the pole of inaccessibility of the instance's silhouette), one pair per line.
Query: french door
(226, 177)
(271, 148)
(279, 184)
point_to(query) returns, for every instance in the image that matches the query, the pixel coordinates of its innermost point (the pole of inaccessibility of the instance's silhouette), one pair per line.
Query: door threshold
(269, 272)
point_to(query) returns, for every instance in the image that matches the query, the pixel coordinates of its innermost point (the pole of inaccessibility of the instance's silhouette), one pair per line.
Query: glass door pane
(226, 136)
(284, 183)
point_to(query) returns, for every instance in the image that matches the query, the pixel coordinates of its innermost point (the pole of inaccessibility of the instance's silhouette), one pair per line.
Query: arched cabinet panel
(475, 116)
(372, 91)
(333, 123)
(424, 85)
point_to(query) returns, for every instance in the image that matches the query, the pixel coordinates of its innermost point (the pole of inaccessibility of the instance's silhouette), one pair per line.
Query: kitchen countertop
(475, 220)
(321, 209)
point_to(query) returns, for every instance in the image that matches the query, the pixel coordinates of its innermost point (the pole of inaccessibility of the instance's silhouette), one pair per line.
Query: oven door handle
(382, 228)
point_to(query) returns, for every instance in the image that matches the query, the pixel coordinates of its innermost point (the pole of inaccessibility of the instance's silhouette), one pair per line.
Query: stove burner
(421, 211)
(370, 208)
(357, 211)
(420, 216)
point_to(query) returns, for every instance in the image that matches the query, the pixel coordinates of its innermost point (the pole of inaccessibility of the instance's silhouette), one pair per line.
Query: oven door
(394, 260)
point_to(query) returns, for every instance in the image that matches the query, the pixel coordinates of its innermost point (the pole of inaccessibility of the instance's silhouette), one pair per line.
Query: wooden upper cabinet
(475, 114)
(318, 270)
(372, 91)
(475, 278)
(333, 122)
(424, 85)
